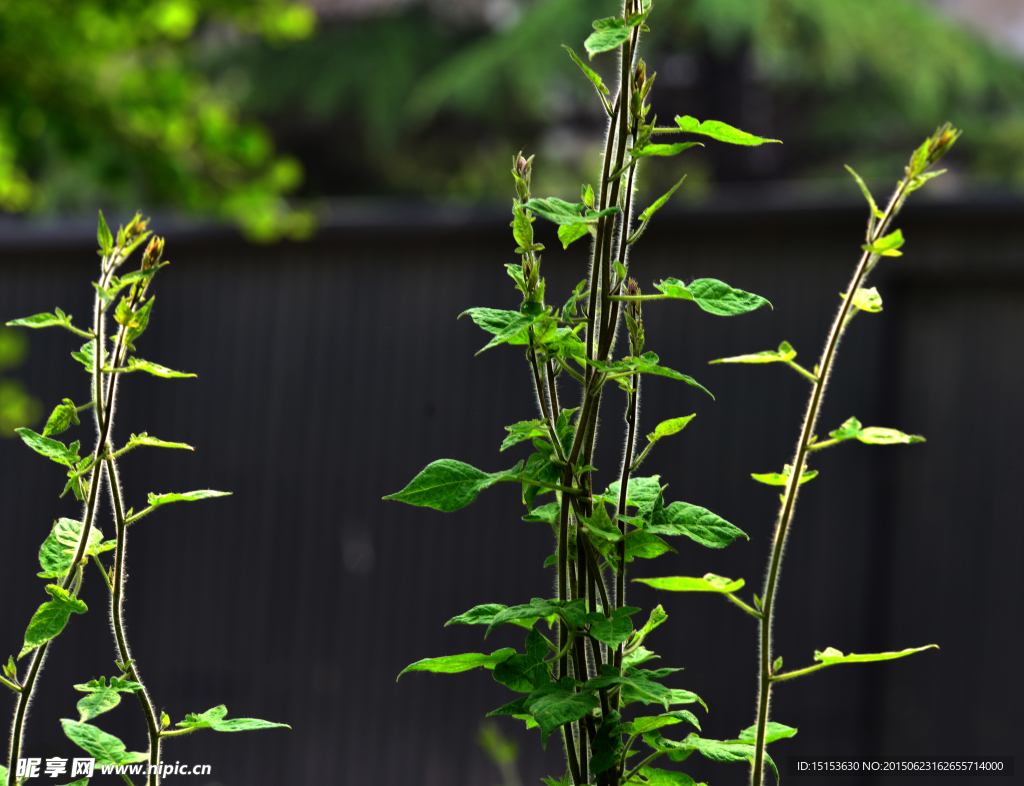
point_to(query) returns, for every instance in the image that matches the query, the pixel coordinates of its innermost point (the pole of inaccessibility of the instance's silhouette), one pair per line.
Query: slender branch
(788, 675)
(749, 609)
(633, 772)
(14, 687)
(797, 367)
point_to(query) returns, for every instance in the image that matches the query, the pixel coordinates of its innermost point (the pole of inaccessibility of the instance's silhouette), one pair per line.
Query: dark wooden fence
(330, 372)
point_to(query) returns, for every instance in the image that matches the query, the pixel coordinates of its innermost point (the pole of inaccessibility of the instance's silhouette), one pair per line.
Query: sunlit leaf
(720, 131)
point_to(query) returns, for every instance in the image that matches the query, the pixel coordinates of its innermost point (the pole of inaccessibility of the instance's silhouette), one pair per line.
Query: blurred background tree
(104, 103)
(223, 107)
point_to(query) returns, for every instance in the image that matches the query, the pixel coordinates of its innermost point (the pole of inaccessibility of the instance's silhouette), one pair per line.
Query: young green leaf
(652, 722)
(608, 34)
(522, 431)
(106, 240)
(697, 523)
(648, 363)
(484, 615)
(561, 212)
(570, 233)
(781, 479)
(877, 435)
(720, 131)
(709, 583)
(62, 417)
(867, 193)
(773, 733)
(51, 448)
(713, 296)
(645, 545)
(448, 485)
(556, 704)
(535, 609)
(651, 149)
(87, 355)
(656, 618)
(57, 552)
(105, 748)
(660, 202)
(102, 698)
(522, 228)
(507, 326)
(155, 500)
(214, 719)
(144, 439)
(866, 300)
(831, 656)
(656, 777)
(138, 364)
(50, 618)
(46, 319)
(886, 246)
(669, 427)
(453, 664)
(616, 630)
(590, 74)
(783, 354)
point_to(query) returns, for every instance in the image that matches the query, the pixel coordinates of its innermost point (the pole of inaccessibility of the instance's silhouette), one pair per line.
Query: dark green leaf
(696, 523)
(105, 748)
(50, 618)
(525, 673)
(616, 630)
(214, 719)
(783, 354)
(536, 608)
(652, 722)
(651, 149)
(720, 131)
(607, 744)
(709, 583)
(478, 615)
(556, 703)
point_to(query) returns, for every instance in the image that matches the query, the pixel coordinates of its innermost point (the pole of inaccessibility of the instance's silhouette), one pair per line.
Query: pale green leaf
(57, 552)
(453, 664)
(155, 500)
(720, 131)
(138, 364)
(783, 354)
(106, 240)
(669, 427)
(145, 439)
(781, 479)
(877, 435)
(44, 320)
(886, 246)
(651, 149)
(214, 719)
(867, 193)
(556, 704)
(831, 656)
(866, 300)
(773, 733)
(709, 583)
(570, 233)
(62, 417)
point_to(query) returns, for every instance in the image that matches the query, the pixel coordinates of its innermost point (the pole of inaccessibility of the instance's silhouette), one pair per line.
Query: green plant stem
(749, 609)
(11, 685)
(633, 772)
(788, 675)
(800, 369)
(117, 619)
(627, 460)
(865, 264)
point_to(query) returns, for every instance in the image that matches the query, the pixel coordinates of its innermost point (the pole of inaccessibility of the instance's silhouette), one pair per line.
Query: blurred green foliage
(17, 406)
(104, 102)
(418, 103)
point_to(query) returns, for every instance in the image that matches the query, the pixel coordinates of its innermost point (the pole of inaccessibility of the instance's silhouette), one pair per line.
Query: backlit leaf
(214, 719)
(188, 496)
(561, 212)
(713, 296)
(669, 427)
(62, 417)
(51, 448)
(660, 201)
(592, 75)
(570, 233)
(709, 583)
(138, 364)
(783, 354)
(781, 479)
(50, 618)
(887, 246)
(831, 656)
(696, 523)
(651, 149)
(720, 131)
(105, 748)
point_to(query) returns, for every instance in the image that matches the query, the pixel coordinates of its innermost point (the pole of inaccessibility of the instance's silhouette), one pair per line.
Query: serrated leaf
(507, 326)
(720, 131)
(648, 363)
(588, 72)
(453, 664)
(56, 555)
(44, 320)
(697, 523)
(50, 618)
(62, 417)
(773, 732)
(102, 698)
(831, 656)
(782, 478)
(214, 719)
(448, 485)
(138, 364)
(87, 355)
(523, 431)
(713, 296)
(783, 354)
(709, 583)
(886, 246)
(51, 448)
(669, 427)
(105, 748)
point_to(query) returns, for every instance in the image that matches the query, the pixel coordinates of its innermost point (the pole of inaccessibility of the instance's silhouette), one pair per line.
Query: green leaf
(638, 685)
(105, 748)
(660, 201)
(645, 546)
(720, 131)
(138, 364)
(876, 435)
(535, 609)
(556, 704)
(638, 656)
(46, 319)
(832, 656)
(87, 355)
(56, 555)
(783, 354)
(449, 485)
(773, 732)
(525, 673)
(51, 448)
(781, 479)
(605, 39)
(507, 326)
(606, 746)
(145, 439)
(867, 193)
(156, 500)
(696, 523)
(656, 618)
(656, 777)
(669, 427)
(645, 364)
(102, 698)
(522, 227)
(561, 212)
(523, 431)
(106, 240)
(651, 149)
(866, 300)
(713, 296)
(570, 233)
(453, 664)
(214, 719)
(62, 417)
(886, 246)
(652, 722)
(50, 618)
(709, 583)
(484, 615)
(592, 75)
(547, 513)
(616, 630)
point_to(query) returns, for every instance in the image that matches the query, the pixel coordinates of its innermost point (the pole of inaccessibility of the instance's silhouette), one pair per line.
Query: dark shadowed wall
(331, 372)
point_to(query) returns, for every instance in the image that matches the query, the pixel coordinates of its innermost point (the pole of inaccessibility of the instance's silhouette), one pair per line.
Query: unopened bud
(640, 75)
(154, 251)
(941, 141)
(633, 290)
